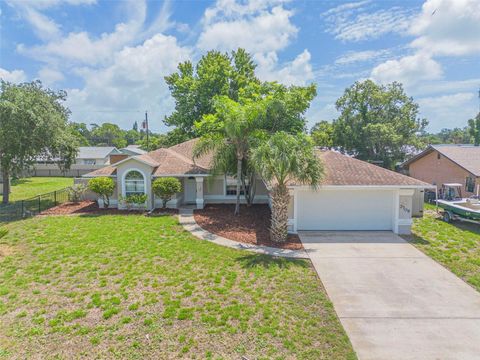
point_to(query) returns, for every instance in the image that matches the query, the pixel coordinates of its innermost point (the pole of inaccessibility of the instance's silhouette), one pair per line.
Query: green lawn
(455, 245)
(130, 286)
(29, 187)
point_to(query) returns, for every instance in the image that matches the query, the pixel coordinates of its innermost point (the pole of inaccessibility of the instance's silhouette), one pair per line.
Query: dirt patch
(91, 207)
(6, 250)
(250, 227)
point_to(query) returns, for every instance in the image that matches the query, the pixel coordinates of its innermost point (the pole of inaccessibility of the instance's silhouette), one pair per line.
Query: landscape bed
(115, 286)
(250, 227)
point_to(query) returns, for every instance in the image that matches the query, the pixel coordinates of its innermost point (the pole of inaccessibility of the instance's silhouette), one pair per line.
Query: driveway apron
(394, 301)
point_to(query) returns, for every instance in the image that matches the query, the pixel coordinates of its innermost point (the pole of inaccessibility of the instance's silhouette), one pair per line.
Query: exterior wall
(439, 171)
(98, 161)
(145, 169)
(214, 192)
(417, 203)
(214, 186)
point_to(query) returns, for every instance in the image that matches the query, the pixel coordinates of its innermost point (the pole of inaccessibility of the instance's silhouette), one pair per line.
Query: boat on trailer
(457, 208)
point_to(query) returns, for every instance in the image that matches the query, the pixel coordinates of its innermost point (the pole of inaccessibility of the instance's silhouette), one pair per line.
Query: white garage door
(345, 210)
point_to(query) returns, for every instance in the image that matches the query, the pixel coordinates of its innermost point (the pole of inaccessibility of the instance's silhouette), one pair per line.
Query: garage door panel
(345, 210)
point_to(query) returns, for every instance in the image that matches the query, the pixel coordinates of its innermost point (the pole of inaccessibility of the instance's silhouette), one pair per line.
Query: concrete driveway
(393, 301)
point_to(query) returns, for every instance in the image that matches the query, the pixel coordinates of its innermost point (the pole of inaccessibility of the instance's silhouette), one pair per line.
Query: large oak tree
(377, 123)
(33, 122)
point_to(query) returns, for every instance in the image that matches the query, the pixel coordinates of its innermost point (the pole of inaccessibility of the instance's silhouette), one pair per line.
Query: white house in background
(354, 194)
(95, 155)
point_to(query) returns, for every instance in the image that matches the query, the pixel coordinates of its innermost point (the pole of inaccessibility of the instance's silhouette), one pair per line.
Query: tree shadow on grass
(464, 226)
(267, 261)
(415, 239)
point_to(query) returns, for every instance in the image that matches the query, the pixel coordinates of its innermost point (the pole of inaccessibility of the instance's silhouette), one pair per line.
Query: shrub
(137, 199)
(165, 188)
(103, 186)
(75, 192)
(3, 232)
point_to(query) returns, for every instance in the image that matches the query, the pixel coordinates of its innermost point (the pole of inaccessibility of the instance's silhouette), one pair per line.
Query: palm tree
(229, 134)
(283, 159)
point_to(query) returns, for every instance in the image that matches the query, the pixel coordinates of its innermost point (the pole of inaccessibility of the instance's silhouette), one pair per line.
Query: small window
(231, 187)
(470, 184)
(89, 161)
(134, 183)
(438, 156)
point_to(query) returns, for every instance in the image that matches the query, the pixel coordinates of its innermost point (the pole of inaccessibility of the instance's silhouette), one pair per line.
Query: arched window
(134, 183)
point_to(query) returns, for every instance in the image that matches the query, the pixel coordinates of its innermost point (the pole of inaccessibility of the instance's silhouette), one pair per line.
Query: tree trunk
(6, 186)
(279, 221)
(239, 185)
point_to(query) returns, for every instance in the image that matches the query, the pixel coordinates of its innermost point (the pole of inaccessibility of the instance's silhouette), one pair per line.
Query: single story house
(449, 163)
(354, 194)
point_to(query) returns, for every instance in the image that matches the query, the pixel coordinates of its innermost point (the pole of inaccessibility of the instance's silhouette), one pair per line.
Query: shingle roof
(104, 171)
(176, 160)
(467, 156)
(133, 150)
(339, 169)
(464, 155)
(95, 152)
(342, 170)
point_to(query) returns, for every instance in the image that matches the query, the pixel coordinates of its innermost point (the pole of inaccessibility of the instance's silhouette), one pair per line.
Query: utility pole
(146, 126)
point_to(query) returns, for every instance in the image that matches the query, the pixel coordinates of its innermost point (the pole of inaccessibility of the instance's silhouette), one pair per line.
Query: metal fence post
(55, 197)
(39, 205)
(23, 208)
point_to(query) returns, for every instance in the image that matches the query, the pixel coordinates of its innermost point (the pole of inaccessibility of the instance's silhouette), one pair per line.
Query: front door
(190, 191)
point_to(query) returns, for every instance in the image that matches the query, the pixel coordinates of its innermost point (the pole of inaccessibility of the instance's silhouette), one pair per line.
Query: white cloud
(356, 22)
(134, 81)
(447, 27)
(408, 70)
(263, 28)
(360, 56)
(82, 48)
(297, 72)
(50, 76)
(446, 111)
(262, 31)
(14, 76)
(44, 27)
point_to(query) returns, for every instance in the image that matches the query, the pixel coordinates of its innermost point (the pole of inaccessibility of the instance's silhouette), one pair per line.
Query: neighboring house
(88, 159)
(442, 164)
(133, 150)
(354, 195)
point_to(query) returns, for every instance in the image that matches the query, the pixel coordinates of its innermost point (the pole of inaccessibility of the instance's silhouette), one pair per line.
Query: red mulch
(91, 207)
(250, 227)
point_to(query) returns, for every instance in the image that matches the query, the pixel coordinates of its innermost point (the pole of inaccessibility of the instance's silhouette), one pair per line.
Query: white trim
(233, 197)
(180, 175)
(295, 211)
(360, 187)
(396, 211)
(145, 190)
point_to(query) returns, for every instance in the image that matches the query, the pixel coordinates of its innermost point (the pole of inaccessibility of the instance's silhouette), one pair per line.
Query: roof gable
(465, 156)
(96, 152)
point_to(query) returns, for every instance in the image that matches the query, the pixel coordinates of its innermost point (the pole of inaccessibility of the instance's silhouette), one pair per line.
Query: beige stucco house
(354, 194)
(443, 164)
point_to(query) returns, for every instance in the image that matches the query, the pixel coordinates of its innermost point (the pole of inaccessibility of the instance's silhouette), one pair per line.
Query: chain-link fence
(30, 207)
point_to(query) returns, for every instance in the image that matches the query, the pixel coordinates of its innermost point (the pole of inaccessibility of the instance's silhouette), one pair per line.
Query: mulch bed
(250, 227)
(91, 207)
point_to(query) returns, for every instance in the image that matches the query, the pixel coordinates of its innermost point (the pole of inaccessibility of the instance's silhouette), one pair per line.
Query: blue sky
(111, 56)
